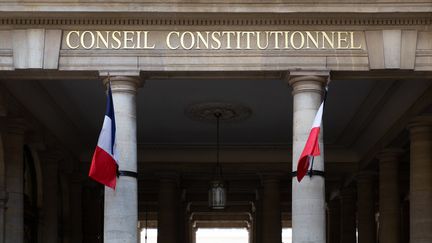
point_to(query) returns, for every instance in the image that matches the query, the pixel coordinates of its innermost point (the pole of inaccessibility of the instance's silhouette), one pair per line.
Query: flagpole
(109, 80)
(311, 157)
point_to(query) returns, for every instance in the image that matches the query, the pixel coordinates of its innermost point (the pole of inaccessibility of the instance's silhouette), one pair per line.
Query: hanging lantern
(217, 195)
(217, 191)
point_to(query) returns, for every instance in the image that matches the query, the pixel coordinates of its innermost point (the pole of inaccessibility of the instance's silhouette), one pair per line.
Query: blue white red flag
(311, 148)
(104, 166)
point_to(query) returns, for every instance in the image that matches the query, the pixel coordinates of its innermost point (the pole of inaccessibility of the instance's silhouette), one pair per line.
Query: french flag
(104, 166)
(311, 148)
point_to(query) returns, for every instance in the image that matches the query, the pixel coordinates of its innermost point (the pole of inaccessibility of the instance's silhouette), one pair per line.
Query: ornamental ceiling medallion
(230, 112)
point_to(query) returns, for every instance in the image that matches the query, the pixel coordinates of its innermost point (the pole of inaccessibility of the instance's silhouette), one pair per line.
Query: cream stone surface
(374, 40)
(392, 47)
(380, 80)
(6, 53)
(308, 200)
(28, 48)
(52, 49)
(255, 6)
(121, 205)
(381, 49)
(408, 49)
(421, 179)
(35, 48)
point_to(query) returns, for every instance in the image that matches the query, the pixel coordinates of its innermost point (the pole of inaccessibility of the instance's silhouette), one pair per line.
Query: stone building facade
(264, 66)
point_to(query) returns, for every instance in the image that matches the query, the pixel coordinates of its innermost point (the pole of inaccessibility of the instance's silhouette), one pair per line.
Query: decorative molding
(214, 6)
(238, 21)
(228, 111)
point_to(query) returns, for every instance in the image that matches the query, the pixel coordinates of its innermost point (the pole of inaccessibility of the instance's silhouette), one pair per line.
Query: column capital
(420, 124)
(128, 84)
(319, 73)
(307, 81)
(390, 155)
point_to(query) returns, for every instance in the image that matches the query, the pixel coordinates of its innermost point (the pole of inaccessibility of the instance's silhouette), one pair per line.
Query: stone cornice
(225, 6)
(277, 20)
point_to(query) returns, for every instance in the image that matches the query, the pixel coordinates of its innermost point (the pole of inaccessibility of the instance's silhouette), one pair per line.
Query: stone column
(50, 183)
(76, 208)
(421, 180)
(168, 202)
(271, 212)
(257, 238)
(348, 215)
(3, 193)
(14, 226)
(389, 202)
(405, 224)
(3, 202)
(186, 227)
(334, 221)
(121, 205)
(194, 230)
(308, 197)
(366, 208)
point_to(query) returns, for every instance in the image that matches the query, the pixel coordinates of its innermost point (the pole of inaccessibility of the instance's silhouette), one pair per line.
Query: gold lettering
(325, 38)
(100, 37)
(228, 38)
(128, 39)
(302, 40)
(168, 38)
(259, 40)
(352, 42)
(92, 39)
(201, 38)
(311, 38)
(216, 39)
(248, 37)
(342, 39)
(146, 41)
(276, 38)
(138, 40)
(68, 44)
(116, 38)
(287, 39)
(192, 40)
(238, 40)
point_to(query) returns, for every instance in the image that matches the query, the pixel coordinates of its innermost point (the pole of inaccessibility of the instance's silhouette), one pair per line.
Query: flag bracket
(311, 173)
(127, 173)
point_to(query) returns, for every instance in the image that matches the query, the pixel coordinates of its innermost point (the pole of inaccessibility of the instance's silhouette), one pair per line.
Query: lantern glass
(217, 195)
